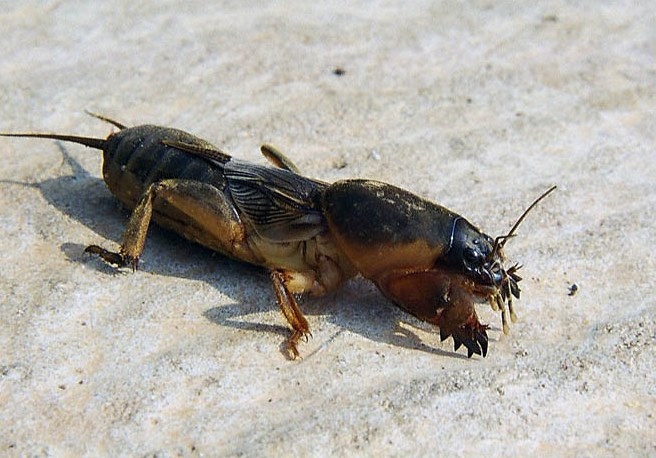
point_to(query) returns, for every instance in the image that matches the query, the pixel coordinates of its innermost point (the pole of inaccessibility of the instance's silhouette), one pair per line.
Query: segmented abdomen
(136, 157)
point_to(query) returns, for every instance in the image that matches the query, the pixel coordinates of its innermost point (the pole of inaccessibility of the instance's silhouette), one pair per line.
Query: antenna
(501, 240)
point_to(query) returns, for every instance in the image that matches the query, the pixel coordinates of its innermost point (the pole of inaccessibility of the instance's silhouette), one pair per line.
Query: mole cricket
(310, 235)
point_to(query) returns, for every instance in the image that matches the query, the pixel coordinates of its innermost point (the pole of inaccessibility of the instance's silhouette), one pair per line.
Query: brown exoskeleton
(311, 235)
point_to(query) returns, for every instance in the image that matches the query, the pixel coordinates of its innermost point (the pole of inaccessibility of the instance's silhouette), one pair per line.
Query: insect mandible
(310, 235)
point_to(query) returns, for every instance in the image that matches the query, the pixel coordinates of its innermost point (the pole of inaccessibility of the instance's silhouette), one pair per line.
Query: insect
(312, 236)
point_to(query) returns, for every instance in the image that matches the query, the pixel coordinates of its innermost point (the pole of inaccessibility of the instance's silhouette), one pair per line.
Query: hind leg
(202, 214)
(277, 158)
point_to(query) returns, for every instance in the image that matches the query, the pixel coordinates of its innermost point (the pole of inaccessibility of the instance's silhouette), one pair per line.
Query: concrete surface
(480, 106)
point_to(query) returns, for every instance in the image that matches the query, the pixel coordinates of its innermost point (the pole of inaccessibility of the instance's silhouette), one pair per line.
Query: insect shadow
(358, 307)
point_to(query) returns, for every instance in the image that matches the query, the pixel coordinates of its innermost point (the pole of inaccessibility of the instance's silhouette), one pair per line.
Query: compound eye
(471, 258)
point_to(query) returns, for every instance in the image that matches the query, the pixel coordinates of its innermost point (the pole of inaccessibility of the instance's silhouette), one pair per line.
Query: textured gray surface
(480, 107)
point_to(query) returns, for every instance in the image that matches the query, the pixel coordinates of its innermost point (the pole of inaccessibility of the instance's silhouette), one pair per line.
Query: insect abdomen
(136, 157)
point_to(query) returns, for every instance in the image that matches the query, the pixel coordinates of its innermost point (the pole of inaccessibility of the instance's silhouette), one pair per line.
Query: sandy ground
(480, 107)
